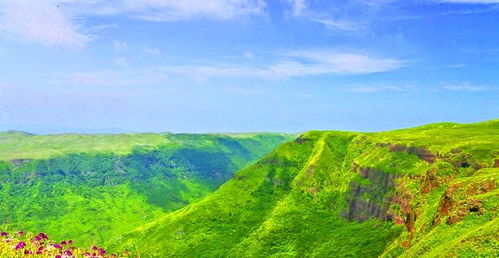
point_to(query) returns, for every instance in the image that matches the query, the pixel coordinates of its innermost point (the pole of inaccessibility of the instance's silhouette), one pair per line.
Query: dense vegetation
(91, 188)
(430, 190)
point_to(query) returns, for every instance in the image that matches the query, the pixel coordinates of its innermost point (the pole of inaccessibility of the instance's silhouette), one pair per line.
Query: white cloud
(41, 20)
(298, 7)
(53, 22)
(372, 89)
(293, 64)
(327, 61)
(173, 10)
(464, 87)
(340, 24)
(290, 64)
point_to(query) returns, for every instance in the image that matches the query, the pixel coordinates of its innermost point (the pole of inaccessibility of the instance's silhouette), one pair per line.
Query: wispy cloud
(53, 22)
(376, 88)
(337, 62)
(298, 7)
(303, 9)
(340, 24)
(295, 64)
(289, 64)
(464, 87)
(174, 10)
(42, 21)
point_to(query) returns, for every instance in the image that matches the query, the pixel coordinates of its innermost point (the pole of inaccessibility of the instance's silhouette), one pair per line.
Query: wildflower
(68, 253)
(95, 248)
(102, 252)
(86, 254)
(57, 246)
(43, 235)
(70, 242)
(58, 256)
(63, 242)
(4, 234)
(20, 233)
(28, 252)
(20, 245)
(40, 250)
(8, 240)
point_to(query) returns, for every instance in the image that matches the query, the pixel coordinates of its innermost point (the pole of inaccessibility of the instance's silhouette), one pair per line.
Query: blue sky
(246, 65)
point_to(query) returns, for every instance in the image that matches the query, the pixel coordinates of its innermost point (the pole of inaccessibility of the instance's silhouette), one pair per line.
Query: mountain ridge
(345, 194)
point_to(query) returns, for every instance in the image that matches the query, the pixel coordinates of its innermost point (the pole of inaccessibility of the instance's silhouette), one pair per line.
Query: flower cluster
(20, 244)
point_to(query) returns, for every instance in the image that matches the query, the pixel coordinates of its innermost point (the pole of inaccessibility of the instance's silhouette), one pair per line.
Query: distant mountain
(91, 188)
(426, 191)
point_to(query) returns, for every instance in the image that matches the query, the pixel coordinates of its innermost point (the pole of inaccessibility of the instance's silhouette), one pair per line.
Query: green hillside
(92, 188)
(430, 190)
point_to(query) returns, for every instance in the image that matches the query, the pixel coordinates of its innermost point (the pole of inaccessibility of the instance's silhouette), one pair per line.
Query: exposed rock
(379, 193)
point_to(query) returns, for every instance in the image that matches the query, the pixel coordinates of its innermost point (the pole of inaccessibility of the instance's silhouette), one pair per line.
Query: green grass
(98, 187)
(292, 203)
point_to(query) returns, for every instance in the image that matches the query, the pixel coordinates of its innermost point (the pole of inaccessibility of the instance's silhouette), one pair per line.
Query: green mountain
(91, 188)
(430, 190)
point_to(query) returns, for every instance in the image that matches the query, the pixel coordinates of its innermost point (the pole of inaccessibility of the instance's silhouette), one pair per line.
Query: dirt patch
(464, 208)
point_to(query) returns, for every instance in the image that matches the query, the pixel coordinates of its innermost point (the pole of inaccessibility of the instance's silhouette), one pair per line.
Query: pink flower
(20, 245)
(20, 233)
(57, 246)
(43, 236)
(102, 252)
(68, 253)
(63, 242)
(86, 254)
(4, 234)
(70, 242)
(40, 250)
(28, 252)
(94, 248)
(58, 256)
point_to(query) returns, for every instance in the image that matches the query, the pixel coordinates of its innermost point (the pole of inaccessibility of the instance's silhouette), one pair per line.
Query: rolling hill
(91, 188)
(430, 190)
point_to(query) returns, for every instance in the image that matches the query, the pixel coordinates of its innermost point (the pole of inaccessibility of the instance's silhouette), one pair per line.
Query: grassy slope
(291, 202)
(94, 187)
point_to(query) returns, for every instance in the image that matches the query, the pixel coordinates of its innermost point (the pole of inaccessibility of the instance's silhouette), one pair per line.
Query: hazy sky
(246, 65)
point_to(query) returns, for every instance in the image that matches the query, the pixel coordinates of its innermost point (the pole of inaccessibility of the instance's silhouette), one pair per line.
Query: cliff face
(371, 195)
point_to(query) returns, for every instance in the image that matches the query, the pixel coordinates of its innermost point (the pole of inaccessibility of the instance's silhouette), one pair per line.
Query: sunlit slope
(96, 187)
(328, 194)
